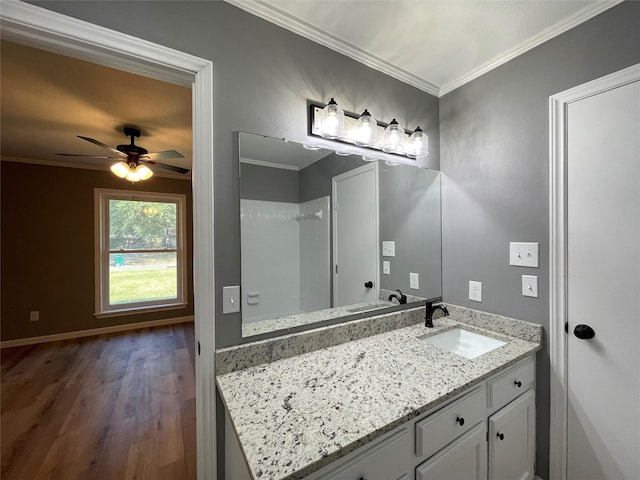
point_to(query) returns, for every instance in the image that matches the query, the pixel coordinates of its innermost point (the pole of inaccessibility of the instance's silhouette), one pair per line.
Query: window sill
(139, 310)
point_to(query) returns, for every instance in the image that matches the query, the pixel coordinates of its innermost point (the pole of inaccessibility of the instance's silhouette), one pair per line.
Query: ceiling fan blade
(103, 145)
(87, 156)
(164, 166)
(166, 155)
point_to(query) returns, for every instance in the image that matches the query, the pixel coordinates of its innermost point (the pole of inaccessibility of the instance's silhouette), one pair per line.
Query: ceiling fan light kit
(131, 172)
(133, 158)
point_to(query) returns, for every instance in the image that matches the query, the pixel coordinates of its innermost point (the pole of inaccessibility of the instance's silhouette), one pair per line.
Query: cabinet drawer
(447, 424)
(466, 458)
(386, 460)
(510, 384)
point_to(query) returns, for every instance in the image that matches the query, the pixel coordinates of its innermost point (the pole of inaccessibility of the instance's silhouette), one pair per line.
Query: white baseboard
(94, 331)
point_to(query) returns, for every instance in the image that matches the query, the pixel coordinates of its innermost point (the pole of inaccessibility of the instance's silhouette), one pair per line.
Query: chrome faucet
(402, 299)
(431, 308)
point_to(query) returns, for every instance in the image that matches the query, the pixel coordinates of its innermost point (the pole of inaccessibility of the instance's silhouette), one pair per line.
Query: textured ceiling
(48, 99)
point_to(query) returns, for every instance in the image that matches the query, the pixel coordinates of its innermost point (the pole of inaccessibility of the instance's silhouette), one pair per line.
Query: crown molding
(279, 17)
(554, 30)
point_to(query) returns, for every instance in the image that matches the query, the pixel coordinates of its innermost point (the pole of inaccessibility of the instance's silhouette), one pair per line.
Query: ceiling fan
(133, 159)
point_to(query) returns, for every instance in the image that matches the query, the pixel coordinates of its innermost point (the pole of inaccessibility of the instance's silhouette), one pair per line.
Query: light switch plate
(414, 281)
(386, 267)
(523, 254)
(231, 299)
(388, 249)
(475, 291)
(530, 286)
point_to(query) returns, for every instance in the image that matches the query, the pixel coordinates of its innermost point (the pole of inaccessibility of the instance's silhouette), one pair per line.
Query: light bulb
(418, 144)
(120, 169)
(332, 121)
(366, 130)
(393, 138)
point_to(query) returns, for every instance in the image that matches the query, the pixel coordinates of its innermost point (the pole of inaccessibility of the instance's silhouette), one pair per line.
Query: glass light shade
(332, 121)
(393, 140)
(418, 146)
(120, 169)
(366, 133)
(140, 172)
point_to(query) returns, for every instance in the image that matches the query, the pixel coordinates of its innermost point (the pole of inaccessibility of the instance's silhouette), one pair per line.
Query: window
(140, 252)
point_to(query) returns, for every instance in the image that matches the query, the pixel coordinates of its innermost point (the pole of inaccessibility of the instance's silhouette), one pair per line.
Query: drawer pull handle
(500, 436)
(518, 383)
(460, 420)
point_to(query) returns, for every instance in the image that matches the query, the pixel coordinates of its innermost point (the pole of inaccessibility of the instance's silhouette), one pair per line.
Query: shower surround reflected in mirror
(287, 243)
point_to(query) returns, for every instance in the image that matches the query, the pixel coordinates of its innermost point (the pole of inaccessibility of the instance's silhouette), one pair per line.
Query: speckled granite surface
(296, 415)
(285, 346)
(497, 323)
(283, 323)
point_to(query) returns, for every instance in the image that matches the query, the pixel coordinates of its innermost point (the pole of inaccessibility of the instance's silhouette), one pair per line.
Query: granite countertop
(298, 414)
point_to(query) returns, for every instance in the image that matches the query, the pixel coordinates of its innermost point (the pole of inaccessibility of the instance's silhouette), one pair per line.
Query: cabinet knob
(500, 436)
(518, 383)
(460, 420)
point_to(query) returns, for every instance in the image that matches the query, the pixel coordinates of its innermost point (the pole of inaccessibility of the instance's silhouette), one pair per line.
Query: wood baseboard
(19, 342)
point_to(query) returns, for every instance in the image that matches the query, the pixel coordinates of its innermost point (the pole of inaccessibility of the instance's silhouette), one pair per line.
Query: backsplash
(270, 350)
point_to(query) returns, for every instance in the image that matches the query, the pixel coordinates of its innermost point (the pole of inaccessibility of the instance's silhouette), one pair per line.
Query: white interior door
(355, 236)
(603, 285)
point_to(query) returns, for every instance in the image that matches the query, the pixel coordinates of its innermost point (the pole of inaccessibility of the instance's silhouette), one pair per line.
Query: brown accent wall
(47, 248)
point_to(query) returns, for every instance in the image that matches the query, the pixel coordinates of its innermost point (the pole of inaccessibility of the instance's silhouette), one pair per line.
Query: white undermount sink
(463, 342)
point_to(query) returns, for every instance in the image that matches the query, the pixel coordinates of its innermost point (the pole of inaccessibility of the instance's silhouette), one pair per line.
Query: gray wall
(410, 216)
(267, 183)
(495, 161)
(263, 78)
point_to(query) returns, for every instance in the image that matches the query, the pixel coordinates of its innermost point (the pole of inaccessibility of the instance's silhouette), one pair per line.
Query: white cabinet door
(512, 440)
(464, 459)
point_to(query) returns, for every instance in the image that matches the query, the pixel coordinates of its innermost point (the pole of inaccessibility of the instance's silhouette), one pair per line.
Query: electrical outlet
(388, 249)
(34, 316)
(475, 291)
(530, 286)
(414, 281)
(386, 267)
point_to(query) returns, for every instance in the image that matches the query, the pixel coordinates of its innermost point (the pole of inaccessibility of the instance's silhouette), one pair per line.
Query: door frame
(44, 29)
(558, 105)
(334, 235)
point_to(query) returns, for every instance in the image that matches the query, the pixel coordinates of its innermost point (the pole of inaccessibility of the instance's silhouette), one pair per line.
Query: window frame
(103, 308)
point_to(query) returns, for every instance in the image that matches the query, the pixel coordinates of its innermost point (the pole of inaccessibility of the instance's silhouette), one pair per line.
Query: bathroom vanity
(382, 402)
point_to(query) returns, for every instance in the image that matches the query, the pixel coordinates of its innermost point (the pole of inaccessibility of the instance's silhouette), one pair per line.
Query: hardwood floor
(118, 406)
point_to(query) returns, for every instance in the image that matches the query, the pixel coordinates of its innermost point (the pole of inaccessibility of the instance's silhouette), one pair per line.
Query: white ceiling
(433, 45)
(48, 99)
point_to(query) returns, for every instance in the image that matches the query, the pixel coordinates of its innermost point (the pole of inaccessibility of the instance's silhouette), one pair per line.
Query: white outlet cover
(414, 281)
(475, 291)
(231, 299)
(388, 249)
(386, 267)
(523, 254)
(530, 286)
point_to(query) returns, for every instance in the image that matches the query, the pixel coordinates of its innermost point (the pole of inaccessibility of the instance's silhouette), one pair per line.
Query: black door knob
(368, 284)
(584, 332)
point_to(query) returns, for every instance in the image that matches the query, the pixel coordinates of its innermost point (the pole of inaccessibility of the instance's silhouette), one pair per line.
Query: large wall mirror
(327, 237)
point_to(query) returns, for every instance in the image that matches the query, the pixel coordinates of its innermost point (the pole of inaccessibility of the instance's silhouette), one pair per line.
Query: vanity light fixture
(364, 132)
